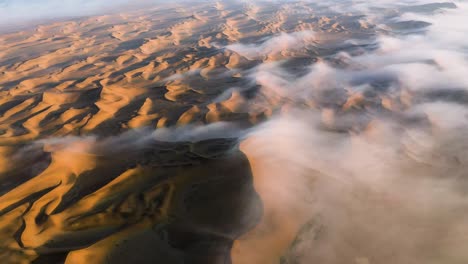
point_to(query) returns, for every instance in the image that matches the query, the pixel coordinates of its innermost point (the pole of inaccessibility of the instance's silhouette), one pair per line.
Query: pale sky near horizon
(18, 12)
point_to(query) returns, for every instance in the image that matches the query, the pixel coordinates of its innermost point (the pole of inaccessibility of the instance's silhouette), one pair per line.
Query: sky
(17, 13)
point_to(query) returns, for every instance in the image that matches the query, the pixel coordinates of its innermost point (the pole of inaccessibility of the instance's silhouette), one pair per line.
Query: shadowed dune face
(97, 203)
(237, 132)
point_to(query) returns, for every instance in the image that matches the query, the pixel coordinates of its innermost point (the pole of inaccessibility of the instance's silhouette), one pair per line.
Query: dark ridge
(428, 8)
(410, 25)
(457, 95)
(58, 258)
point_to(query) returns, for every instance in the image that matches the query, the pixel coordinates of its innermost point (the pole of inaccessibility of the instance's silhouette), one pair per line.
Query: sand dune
(76, 205)
(104, 75)
(203, 132)
(133, 50)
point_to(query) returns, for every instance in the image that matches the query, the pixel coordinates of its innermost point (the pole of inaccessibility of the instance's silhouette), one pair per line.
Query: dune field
(244, 132)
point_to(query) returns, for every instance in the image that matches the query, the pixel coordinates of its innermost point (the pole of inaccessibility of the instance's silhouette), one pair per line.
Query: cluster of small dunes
(159, 67)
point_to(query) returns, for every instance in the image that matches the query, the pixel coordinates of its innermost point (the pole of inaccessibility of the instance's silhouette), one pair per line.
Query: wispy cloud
(275, 45)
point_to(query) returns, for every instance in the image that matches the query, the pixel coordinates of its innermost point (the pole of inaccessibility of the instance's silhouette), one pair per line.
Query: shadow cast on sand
(177, 202)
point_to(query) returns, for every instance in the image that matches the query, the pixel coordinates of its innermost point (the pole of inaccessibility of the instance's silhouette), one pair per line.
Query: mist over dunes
(234, 132)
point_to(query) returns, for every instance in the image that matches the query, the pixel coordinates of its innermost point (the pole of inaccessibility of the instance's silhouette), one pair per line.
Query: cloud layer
(368, 151)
